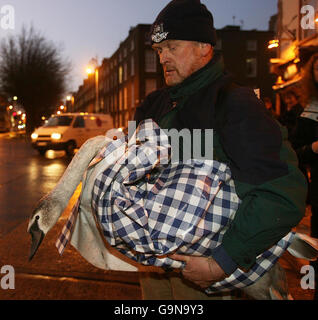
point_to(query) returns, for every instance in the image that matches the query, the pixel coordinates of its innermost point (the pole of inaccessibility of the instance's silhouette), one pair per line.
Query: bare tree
(32, 68)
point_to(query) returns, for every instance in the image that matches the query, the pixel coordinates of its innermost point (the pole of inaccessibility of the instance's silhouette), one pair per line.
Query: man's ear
(206, 49)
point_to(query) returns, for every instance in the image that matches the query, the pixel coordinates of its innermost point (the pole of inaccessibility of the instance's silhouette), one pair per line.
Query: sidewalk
(53, 277)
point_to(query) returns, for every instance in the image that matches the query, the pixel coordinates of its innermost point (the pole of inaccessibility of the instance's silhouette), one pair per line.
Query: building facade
(123, 81)
(297, 38)
(247, 57)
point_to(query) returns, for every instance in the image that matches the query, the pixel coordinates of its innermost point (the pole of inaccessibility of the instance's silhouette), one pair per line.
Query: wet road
(25, 177)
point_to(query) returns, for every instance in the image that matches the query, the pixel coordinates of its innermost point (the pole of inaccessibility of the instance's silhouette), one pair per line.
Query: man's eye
(158, 51)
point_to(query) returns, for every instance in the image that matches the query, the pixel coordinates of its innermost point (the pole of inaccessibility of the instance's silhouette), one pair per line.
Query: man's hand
(202, 271)
(314, 146)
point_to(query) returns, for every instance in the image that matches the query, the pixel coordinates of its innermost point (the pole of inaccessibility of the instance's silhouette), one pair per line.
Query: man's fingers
(180, 257)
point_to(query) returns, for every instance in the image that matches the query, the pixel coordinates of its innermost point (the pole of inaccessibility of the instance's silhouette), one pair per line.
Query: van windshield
(63, 121)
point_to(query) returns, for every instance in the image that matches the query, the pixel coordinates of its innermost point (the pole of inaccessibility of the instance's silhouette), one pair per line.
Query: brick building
(247, 57)
(122, 81)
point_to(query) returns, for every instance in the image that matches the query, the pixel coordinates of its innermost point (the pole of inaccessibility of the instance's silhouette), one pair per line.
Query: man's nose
(163, 56)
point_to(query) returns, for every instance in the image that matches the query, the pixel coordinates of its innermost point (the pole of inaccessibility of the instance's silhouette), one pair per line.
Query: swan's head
(43, 218)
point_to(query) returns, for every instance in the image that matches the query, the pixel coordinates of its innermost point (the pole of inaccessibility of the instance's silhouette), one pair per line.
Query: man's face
(179, 59)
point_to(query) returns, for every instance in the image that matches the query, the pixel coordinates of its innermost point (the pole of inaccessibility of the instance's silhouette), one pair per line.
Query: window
(79, 122)
(120, 74)
(151, 85)
(218, 45)
(147, 39)
(115, 105)
(125, 119)
(63, 121)
(132, 95)
(120, 100)
(251, 45)
(251, 67)
(125, 99)
(132, 66)
(150, 61)
(125, 71)
(132, 45)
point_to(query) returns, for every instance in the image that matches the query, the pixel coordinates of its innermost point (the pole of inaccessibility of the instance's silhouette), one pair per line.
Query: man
(201, 95)
(293, 110)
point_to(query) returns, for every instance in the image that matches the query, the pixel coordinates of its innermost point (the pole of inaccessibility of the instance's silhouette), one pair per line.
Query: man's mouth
(169, 72)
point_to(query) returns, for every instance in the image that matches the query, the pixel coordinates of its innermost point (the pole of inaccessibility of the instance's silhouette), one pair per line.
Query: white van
(69, 131)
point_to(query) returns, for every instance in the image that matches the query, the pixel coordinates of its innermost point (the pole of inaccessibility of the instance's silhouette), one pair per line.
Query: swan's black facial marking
(37, 236)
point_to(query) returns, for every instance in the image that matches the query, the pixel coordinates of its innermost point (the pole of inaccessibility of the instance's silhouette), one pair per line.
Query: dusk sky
(88, 28)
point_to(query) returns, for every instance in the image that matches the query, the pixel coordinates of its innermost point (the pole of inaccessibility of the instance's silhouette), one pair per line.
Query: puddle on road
(54, 154)
(51, 154)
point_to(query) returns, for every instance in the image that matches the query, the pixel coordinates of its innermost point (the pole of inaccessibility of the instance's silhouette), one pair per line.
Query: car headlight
(34, 136)
(56, 136)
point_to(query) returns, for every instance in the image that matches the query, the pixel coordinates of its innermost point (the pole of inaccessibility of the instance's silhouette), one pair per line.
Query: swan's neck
(73, 174)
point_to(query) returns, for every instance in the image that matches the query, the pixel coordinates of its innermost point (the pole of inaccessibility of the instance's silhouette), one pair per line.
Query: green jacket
(263, 164)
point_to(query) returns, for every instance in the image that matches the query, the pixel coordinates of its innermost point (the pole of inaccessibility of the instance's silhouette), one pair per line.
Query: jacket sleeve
(267, 180)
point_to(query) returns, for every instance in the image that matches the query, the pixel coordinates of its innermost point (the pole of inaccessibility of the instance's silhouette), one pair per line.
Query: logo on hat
(158, 34)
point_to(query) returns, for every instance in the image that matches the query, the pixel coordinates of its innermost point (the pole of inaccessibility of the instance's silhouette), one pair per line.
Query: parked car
(69, 131)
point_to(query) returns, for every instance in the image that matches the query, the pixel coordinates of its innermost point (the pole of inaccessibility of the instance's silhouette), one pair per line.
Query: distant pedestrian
(293, 110)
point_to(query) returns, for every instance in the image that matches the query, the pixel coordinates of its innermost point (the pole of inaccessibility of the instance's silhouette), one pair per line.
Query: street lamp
(273, 44)
(90, 70)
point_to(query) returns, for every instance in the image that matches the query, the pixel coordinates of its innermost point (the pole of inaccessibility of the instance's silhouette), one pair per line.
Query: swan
(273, 285)
(51, 206)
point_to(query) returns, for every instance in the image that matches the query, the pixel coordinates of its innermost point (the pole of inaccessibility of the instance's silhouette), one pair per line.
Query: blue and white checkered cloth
(149, 207)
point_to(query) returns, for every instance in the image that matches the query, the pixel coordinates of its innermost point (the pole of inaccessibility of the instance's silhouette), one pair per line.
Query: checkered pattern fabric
(66, 233)
(149, 207)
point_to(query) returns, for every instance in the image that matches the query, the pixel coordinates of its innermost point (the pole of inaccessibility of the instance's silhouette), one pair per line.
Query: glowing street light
(89, 70)
(15, 98)
(273, 44)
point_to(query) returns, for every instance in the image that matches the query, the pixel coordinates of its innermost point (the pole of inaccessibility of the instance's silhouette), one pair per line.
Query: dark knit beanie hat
(184, 20)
